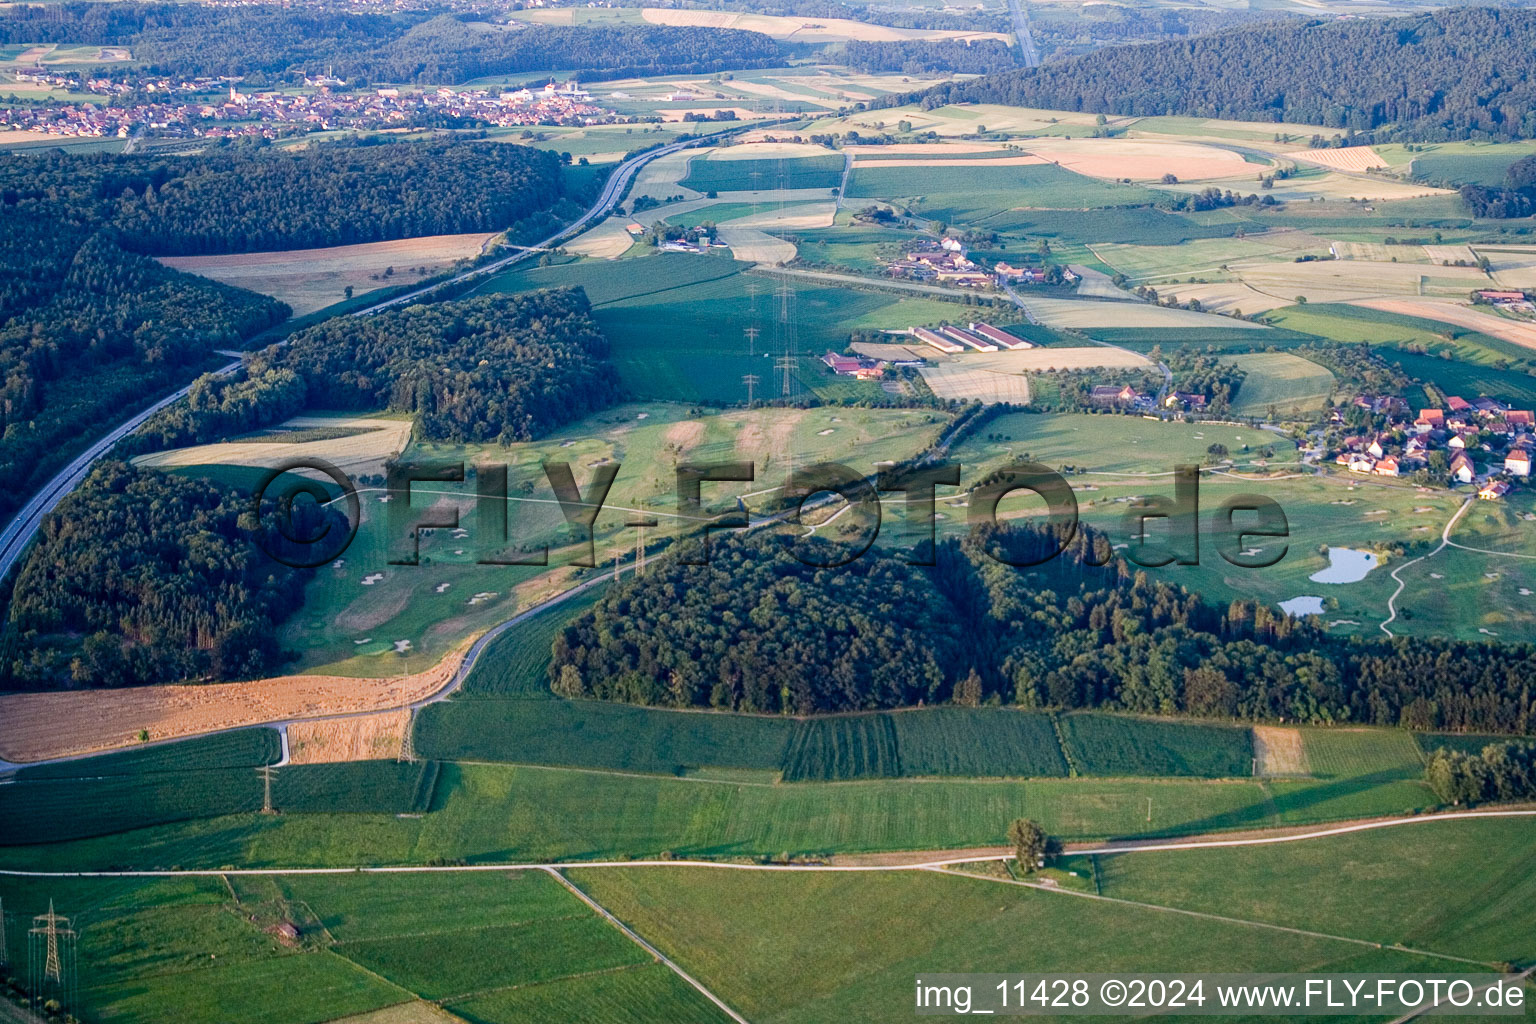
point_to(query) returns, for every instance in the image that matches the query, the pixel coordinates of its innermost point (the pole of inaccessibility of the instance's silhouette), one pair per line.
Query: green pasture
(1483, 875)
(1198, 256)
(744, 933)
(1278, 380)
(498, 813)
(1457, 163)
(969, 195)
(1108, 443)
(354, 627)
(1455, 376)
(721, 174)
(1137, 225)
(1356, 323)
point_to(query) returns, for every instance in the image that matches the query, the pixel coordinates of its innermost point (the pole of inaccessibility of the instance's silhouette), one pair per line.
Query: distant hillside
(1453, 74)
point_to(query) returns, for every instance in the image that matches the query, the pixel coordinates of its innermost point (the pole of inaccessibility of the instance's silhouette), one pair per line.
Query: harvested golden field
(362, 738)
(1086, 314)
(751, 245)
(806, 30)
(364, 452)
(417, 1012)
(607, 241)
(1143, 159)
(1347, 280)
(1225, 296)
(1333, 185)
(64, 723)
(936, 149)
(1516, 332)
(1352, 158)
(311, 279)
(767, 150)
(965, 383)
(1279, 751)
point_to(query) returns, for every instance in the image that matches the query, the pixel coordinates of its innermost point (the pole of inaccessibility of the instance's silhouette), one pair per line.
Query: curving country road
(19, 532)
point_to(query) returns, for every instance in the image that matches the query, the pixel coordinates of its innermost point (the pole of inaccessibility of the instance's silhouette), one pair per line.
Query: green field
(1117, 444)
(240, 749)
(1458, 163)
(1483, 875)
(676, 321)
(970, 195)
(1284, 382)
(738, 175)
(516, 664)
(1469, 380)
(1119, 745)
(1139, 225)
(743, 933)
(500, 813)
(1356, 323)
(509, 948)
(593, 734)
(1353, 753)
(53, 808)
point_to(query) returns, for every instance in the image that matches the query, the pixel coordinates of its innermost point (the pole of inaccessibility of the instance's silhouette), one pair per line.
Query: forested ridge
(498, 368)
(1462, 72)
(90, 328)
(757, 631)
(263, 198)
(143, 577)
(283, 43)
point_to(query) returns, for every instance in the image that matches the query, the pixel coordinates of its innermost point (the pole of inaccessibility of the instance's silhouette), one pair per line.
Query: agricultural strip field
(742, 935)
(311, 279)
(484, 813)
(1118, 745)
(711, 174)
(1353, 753)
(1087, 315)
(1281, 381)
(61, 809)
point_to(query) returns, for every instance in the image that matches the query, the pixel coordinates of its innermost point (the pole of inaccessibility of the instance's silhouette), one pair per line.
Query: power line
(752, 333)
(408, 741)
(751, 381)
(5, 959)
(266, 795)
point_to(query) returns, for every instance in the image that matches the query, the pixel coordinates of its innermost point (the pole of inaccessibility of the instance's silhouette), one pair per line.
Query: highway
(1027, 50)
(19, 532)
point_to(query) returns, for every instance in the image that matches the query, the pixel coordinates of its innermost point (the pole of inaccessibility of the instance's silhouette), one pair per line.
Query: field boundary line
(445, 931)
(576, 890)
(1206, 915)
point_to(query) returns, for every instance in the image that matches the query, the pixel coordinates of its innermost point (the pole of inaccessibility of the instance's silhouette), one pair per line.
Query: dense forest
(271, 42)
(499, 368)
(917, 57)
(1467, 72)
(250, 199)
(144, 577)
(757, 631)
(90, 328)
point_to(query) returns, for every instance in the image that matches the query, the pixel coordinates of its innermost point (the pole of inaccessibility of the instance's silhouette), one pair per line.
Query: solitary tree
(1028, 840)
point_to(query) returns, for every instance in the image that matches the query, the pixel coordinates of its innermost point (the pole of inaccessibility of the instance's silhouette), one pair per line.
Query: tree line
(143, 577)
(90, 327)
(274, 43)
(918, 57)
(1450, 74)
(500, 368)
(755, 630)
(1502, 771)
(1516, 199)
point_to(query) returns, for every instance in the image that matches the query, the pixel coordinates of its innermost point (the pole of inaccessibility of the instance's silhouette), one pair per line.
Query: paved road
(613, 190)
(1027, 50)
(19, 532)
(23, 527)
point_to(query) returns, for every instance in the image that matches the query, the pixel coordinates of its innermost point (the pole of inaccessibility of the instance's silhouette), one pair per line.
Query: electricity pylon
(51, 941)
